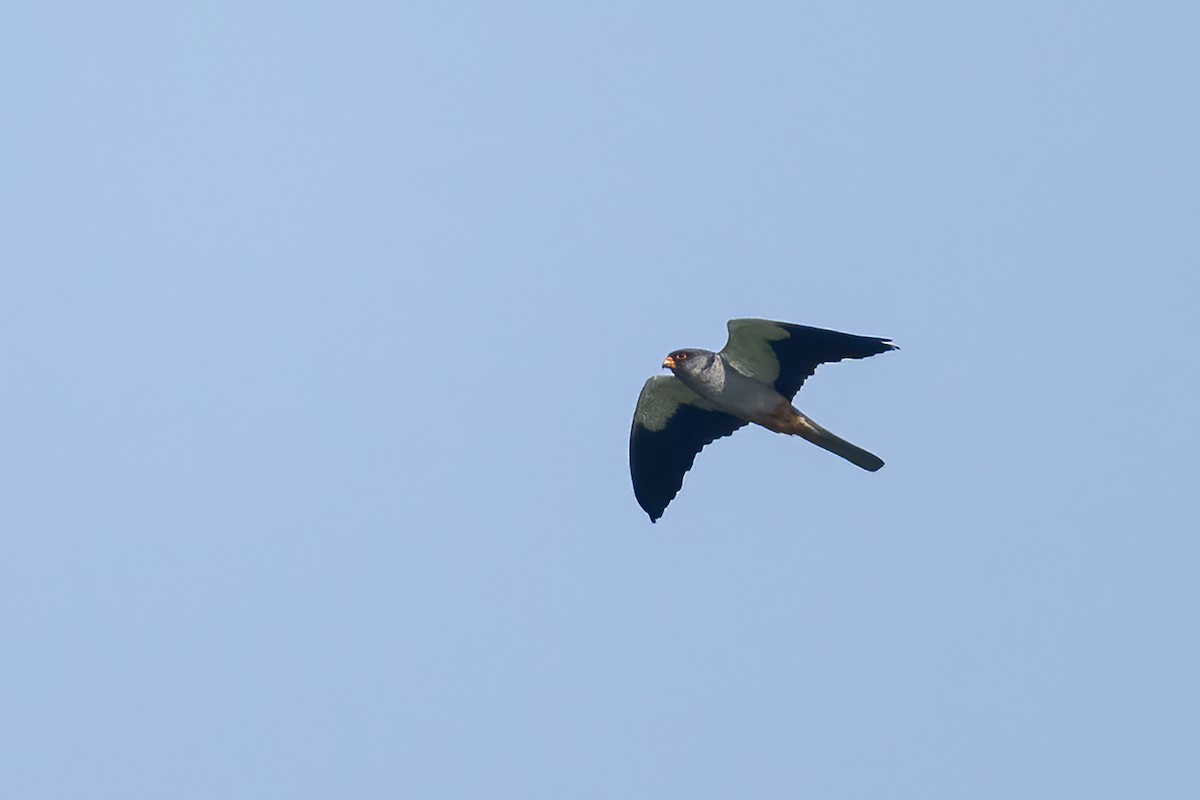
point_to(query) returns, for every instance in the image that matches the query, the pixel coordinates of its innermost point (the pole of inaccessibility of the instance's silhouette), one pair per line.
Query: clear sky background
(322, 326)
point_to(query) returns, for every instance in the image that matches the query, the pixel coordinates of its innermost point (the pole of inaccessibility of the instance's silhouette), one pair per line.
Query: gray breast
(734, 392)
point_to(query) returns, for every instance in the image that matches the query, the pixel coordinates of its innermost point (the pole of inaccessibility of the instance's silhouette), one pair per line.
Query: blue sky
(323, 328)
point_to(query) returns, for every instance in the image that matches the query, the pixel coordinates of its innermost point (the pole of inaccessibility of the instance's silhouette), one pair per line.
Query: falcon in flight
(710, 395)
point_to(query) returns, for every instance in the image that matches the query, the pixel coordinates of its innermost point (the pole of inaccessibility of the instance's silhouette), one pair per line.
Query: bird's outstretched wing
(784, 355)
(670, 426)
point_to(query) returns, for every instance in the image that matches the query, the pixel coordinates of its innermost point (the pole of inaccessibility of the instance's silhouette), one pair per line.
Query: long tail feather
(804, 427)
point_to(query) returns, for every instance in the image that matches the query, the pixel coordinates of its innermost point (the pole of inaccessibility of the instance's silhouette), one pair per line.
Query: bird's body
(711, 377)
(710, 395)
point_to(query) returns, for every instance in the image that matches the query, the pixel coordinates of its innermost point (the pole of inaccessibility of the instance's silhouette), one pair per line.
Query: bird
(710, 395)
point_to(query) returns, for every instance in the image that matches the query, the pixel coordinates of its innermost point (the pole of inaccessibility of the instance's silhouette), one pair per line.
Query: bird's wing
(784, 355)
(670, 426)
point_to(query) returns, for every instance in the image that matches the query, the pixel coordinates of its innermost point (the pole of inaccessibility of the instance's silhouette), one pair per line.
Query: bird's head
(688, 360)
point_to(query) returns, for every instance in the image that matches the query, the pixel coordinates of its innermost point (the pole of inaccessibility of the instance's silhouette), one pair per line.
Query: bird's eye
(681, 356)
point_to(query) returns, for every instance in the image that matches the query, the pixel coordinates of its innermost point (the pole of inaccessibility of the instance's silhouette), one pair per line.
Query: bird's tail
(802, 426)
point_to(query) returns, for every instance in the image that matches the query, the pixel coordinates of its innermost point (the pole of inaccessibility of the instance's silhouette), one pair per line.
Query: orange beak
(669, 362)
